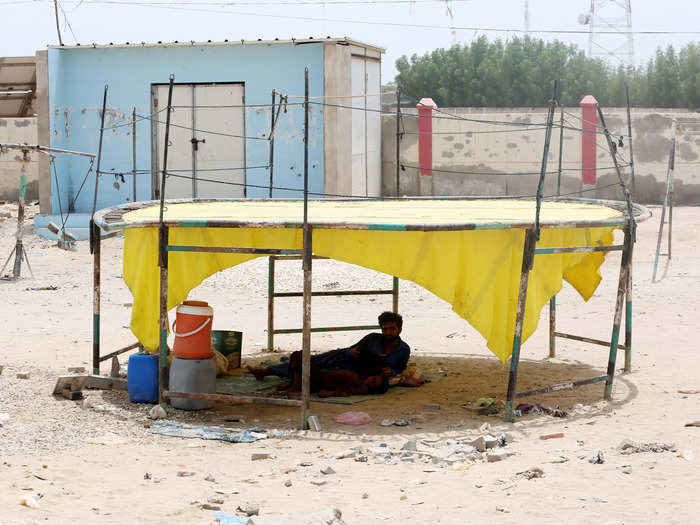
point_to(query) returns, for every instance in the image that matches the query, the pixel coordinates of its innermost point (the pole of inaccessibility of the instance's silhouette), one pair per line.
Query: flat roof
(336, 40)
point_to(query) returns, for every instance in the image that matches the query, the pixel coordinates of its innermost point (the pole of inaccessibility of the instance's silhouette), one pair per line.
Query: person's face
(390, 331)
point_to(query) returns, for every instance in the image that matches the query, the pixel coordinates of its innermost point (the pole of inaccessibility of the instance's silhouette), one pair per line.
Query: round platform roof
(410, 214)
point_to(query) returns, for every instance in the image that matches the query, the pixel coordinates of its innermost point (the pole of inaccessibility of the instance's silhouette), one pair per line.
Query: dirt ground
(87, 462)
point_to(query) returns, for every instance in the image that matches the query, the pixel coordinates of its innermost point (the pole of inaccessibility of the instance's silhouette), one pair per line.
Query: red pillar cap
(588, 100)
(427, 103)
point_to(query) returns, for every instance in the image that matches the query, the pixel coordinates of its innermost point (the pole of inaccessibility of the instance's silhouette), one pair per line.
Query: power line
(181, 6)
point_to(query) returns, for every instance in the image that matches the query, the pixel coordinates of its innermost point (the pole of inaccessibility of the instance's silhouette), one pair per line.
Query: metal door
(206, 154)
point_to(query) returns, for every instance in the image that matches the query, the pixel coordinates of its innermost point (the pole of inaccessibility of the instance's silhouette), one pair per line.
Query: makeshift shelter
(467, 251)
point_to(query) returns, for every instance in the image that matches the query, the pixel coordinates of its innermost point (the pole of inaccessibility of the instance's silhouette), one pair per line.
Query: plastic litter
(353, 418)
(168, 428)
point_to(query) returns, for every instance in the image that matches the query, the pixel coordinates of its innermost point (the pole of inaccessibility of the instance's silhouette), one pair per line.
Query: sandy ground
(88, 464)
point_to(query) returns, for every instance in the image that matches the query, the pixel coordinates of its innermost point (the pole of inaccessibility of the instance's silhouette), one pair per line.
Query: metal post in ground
(271, 303)
(163, 240)
(552, 326)
(96, 293)
(528, 257)
(628, 321)
(308, 252)
(395, 295)
(621, 289)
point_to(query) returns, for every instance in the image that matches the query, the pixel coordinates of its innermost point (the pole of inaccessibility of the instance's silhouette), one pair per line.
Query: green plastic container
(228, 342)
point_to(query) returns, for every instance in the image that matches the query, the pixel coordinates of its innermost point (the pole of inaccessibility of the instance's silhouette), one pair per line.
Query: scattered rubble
(627, 446)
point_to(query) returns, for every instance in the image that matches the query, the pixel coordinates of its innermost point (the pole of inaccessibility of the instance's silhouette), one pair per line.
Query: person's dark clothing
(371, 349)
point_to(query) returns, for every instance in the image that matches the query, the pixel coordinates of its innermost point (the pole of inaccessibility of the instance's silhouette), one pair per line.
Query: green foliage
(521, 71)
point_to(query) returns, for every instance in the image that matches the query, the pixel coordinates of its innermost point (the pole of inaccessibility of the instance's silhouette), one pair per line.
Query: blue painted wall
(76, 84)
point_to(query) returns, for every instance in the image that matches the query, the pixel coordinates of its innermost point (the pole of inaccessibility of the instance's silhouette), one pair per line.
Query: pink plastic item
(353, 418)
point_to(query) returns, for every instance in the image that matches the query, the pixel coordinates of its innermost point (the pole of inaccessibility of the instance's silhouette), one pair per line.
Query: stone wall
(475, 158)
(18, 131)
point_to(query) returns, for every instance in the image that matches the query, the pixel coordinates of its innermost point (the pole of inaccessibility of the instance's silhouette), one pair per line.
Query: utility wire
(516, 30)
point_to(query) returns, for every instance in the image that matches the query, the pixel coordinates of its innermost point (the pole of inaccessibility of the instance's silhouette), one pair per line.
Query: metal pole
(97, 171)
(561, 149)
(621, 289)
(271, 303)
(528, 259)
(272, 150)
(19, 240)
(133, 150)
(669, 191)
(545, 158)
(629, 138)
(96, 292)
(395, 296)
(552, 326)
(398, 140)
(628, 321)
(306, 334)
(163, 259)
(58, 29)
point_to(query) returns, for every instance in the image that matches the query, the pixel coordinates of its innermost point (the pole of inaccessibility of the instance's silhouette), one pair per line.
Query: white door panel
(206, 140)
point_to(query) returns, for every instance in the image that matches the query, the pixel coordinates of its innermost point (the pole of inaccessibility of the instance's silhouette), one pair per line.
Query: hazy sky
(29, 25)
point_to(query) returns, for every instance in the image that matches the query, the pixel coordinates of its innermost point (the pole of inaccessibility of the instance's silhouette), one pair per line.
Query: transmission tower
(610, 31)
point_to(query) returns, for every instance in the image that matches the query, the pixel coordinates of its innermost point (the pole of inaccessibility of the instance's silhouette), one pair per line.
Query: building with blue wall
(344, 143)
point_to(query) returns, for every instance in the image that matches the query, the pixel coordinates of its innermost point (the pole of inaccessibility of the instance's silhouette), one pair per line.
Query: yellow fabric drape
(476, 271)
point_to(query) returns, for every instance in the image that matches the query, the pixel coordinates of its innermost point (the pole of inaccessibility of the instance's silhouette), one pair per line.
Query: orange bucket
(192, 329)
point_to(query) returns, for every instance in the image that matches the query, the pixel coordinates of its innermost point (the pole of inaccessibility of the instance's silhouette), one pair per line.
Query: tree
(520, 72)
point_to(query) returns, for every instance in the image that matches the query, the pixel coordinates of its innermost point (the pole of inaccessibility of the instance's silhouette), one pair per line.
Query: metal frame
(272, 294)
(667, 205)
(112, 219)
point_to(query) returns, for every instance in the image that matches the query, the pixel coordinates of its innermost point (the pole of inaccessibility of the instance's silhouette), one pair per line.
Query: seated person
(391, 352)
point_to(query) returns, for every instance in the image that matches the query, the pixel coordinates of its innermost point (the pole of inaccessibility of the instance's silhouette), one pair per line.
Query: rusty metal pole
(96, 292)
(552, 326)
(629, 138)
(133, 151)
(95, 239)
(561, 149)
(271, 303)
(621, 289)
(97, 169)
(395, 295)
(306, 334)
(628, 321)
(398, 141)
(528, 258)
(272, 142)
(163, 260)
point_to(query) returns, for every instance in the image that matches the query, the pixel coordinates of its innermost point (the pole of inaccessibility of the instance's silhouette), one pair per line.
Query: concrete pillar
(425, 146)
(589, 116)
